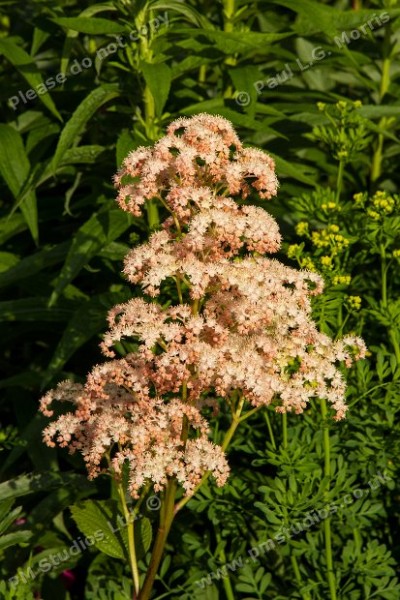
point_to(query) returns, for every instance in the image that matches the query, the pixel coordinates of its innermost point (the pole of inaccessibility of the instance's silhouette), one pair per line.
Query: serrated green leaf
(98, 519)
(28, 69)
(75, 126)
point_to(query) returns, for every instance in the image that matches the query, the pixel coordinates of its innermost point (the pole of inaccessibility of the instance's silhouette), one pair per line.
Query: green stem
(225, 580)
(229, 11)
(284, 430)
(165, 525)
(339, 181)
(299, 579)
(270, 431)
(327, 522)
(227, 439)
(383, 276)
(376, 167)
(131, 538)
(384, 293)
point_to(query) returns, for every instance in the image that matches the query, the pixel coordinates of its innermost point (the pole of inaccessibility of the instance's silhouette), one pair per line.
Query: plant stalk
(131, 538)
(166, 519)
(327, 522)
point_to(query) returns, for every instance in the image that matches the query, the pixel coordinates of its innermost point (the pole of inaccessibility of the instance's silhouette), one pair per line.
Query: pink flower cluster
(243, 323)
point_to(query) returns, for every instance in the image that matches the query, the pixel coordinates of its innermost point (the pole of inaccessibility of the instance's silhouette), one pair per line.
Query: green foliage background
(63, 239)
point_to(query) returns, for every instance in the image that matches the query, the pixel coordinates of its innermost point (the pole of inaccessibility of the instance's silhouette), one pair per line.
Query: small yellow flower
(326, 261)
(307, 263)
(330, 206)
(293, 250)
(341, 280)
(342, 154)
(357, 104)
(359, 198)
(354, 302)
(396, 253)
(375, 216)
(321, 106)
(333, 228)
(302, 228)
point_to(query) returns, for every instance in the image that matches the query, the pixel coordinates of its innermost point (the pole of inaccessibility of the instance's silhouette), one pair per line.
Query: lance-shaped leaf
(75, 126)
(15, 168)
(158, 78)
(28, 69)
(101, 229)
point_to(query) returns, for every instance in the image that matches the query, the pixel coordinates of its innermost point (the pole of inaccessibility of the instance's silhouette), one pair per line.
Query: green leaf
(101, 229)
(71, 34)
(7, 261)
(315, 17)
(99, 520)
(189, 12)
(29, 266)
(15, 168)
(8, 517)
(297, 171)
(244, 78)
(90, 25)
(13, 539)
(376, 112)
(125, 144)
(82, 155)
(28, 69)
(237, 41)
(143, 536)
(11, 225)
(23, 485)
(32, 309)
(85, 323)
(158, 77)
(80, 117)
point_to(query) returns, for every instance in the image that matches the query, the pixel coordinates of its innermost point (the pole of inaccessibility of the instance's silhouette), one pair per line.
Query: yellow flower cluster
(354, 302)
(359, 198)
(330, 206)
(307, 263)
(302, 228)
(294, 250)
(341, 280)
(330, 238)
(382, 204)
(326, 261)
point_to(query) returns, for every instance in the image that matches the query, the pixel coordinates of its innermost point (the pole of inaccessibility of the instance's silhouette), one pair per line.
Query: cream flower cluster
(242, 326)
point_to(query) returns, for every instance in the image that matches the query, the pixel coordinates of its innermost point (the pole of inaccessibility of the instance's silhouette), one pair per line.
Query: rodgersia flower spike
(238, 330)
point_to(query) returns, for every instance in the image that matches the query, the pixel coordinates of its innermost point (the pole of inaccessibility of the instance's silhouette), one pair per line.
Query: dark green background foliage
(266, 66)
